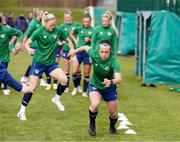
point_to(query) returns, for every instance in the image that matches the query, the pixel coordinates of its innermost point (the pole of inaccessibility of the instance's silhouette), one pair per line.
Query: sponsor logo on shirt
(109, 33)
(73, 28)
(54, 36)
(65, 29)
(96, 64)
(101, 33)
(3, 36)
(45, 36)
(82, 32)
(89, 33)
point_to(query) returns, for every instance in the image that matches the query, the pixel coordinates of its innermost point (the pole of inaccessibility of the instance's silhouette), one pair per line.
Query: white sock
(23, 109)
(57, 97)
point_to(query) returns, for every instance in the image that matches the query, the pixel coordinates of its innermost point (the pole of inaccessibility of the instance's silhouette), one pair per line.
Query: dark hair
(109, 42)
(87, 15)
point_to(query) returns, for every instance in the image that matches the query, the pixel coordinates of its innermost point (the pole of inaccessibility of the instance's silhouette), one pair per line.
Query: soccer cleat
(43, 83)
(92, 129)
(55, 86)
(84, 94)
(21, 116)
(58, 104)
(66, 90)
(6, 92)
(24, 79)
(48, 87)
(112, 130)
(80, 90)
(74, 92)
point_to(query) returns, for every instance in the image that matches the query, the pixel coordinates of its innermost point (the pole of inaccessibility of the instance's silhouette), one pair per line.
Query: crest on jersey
(101, 33)
(45, 36)
(96, 64)
(65, 29)
(109, 33)
(82, 31)
(54, 36)
(107, 68)
(73, 28)
(36, 71)
(3, 36)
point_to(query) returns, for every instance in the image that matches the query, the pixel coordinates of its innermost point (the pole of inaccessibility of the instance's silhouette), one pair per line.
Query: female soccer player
(105, 32)
(67, 27)
(6, 35)
(106, 74)
(84, 35)
(44, 57)
(33, 25)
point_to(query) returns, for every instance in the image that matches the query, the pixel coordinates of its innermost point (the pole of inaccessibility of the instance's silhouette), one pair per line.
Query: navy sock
(79, 78)
(55, 81)
(75, 80)
(48, 78)
(27, 71)
(60, 89)
(92, 116)
(113, 121)
(27, 97)
(85, 83)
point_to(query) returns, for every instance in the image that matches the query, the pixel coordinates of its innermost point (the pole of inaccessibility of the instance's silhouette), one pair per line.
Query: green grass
(154, 112)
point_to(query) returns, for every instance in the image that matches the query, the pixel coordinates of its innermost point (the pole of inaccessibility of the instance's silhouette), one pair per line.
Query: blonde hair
(67, 11)
(47, 17)
(36, 12)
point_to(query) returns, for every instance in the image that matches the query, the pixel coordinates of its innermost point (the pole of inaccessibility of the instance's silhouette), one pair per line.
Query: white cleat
(84, 94)
(21, 116)
(74, 92)
(6, 92)
(43, 83)
(66, 90)
(48, 87)
(24, 79)
(55, 86)
(58, 104)
(80, 90)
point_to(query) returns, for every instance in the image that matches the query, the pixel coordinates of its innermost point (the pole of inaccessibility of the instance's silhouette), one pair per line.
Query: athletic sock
(27, 97)
(75, 80)
(85, 83)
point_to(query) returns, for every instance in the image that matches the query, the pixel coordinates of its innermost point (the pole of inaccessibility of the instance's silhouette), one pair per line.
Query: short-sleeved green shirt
(104, 33)
(102, 69)
(33, 25)
(67, 28)
(82, 33)
(6, 34)
(46, 44)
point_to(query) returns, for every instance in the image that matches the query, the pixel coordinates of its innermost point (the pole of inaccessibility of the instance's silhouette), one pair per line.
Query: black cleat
(92, 129)
(112, 130)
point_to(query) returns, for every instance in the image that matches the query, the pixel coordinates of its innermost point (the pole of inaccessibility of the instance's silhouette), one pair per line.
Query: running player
(67, 27)
(44, 57)
(33, 25)
(84, 35)
(106, 74)
(6, 35)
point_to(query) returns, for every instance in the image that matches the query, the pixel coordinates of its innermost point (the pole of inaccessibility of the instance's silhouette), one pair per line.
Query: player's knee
(114, 114)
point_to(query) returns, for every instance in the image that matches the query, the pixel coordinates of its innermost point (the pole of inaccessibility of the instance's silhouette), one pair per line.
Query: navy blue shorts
(83, 57)
(38, 69)
(108, 94)
(58, 51)
(5, 64)
(64, 55)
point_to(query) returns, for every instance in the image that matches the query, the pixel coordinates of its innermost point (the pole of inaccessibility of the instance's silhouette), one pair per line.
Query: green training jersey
(6, 34)
(67, 28)
(82, 33)
(33, 25)
(102, 69)
(46, 44)
(104, 33)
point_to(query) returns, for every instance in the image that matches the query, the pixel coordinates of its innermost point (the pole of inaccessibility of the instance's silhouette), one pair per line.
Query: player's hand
(71, 53)
(107, 82)
(87, 39)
